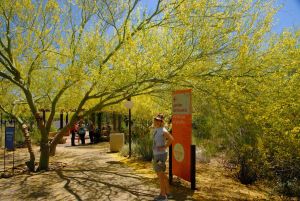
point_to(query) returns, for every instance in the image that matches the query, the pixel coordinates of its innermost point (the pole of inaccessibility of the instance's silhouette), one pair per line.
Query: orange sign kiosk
(182, 153)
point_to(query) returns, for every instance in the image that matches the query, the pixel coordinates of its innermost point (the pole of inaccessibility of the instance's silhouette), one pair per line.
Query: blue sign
(9, 138)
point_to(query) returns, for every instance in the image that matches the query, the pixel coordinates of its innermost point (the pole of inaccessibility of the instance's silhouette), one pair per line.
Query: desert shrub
(125, 150)
(282, 151)
(243, 149)
(141, 140)
(143, 147)
(202, 126)
(289, 188)
(140, 128)
(248, 161)
(206, 148)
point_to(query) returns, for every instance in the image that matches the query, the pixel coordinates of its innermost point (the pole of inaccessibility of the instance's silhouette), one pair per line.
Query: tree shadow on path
(105, 184)
(89, 174)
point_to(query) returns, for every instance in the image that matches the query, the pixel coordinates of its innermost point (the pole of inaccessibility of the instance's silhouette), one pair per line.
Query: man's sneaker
(160, 198)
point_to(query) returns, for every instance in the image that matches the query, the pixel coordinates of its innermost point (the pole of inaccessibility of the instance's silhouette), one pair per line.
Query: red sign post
(182, 133)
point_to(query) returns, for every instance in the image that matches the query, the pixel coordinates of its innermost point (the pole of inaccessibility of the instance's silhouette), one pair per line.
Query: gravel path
(90, 173)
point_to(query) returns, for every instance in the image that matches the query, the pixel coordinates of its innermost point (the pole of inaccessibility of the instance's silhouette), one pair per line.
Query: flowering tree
(92, 54)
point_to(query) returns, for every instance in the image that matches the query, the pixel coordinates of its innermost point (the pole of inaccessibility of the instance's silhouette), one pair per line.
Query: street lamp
(129, 104)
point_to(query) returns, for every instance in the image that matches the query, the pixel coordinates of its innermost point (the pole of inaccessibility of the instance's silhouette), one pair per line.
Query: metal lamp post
(129, 104)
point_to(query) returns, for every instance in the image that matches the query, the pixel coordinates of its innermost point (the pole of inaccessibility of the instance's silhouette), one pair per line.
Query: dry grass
(214, 182)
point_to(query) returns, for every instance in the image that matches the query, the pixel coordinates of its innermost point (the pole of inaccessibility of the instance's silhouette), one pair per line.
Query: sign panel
(9, 138)
(182, 102)
(182, 133)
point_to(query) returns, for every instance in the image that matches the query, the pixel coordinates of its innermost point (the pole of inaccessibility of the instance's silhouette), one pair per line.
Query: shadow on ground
(90, 174)
(112, 180)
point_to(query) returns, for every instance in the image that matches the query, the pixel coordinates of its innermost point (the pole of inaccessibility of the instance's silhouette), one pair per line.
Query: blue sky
(288, 16)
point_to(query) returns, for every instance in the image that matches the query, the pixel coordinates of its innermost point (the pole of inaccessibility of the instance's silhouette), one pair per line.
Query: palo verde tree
(245, 79)
(88, 55)
(55, 50)
(251, 93)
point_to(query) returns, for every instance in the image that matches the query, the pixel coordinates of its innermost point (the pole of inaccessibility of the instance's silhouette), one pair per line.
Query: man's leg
(162, 183)
(72, 138)
(91, 133)
(83, 139)
(166, 184)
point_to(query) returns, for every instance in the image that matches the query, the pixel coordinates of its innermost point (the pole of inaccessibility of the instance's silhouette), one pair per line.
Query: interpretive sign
(182, 133)
(9, 138)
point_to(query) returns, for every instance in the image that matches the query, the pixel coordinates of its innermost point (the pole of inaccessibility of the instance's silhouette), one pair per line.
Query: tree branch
(54, 103)
(20, 121)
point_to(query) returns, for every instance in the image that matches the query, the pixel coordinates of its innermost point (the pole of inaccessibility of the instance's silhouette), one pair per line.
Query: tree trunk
(54, 143)
(30, 164)
(44, 148)
(57, 138)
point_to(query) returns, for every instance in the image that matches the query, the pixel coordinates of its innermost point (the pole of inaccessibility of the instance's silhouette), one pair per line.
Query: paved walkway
(90, 173)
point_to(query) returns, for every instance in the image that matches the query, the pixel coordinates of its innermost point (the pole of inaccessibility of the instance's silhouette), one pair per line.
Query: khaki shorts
(159, 162)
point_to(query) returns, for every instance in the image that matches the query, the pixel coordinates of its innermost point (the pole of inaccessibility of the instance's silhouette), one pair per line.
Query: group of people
(81, 127)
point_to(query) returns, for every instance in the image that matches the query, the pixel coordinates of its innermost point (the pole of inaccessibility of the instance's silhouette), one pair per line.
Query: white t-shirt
(159, 141)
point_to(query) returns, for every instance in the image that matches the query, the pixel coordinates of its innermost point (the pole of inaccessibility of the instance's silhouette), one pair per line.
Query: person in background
(81, 132)
(97, 135)
(91, 128)
(74, 130)
(162, 139)
(108, 130)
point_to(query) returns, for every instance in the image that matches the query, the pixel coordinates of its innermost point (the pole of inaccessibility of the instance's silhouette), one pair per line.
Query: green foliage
(256, 111)
(202, 126)
(248, 160)
(143, 147)
(206, 149)
(282, 152)
(125, 150)
(35, 135)
(19, 138)
(290, 188)
(245, 80)
(243, 148)
(142, 138)
(140, 128)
